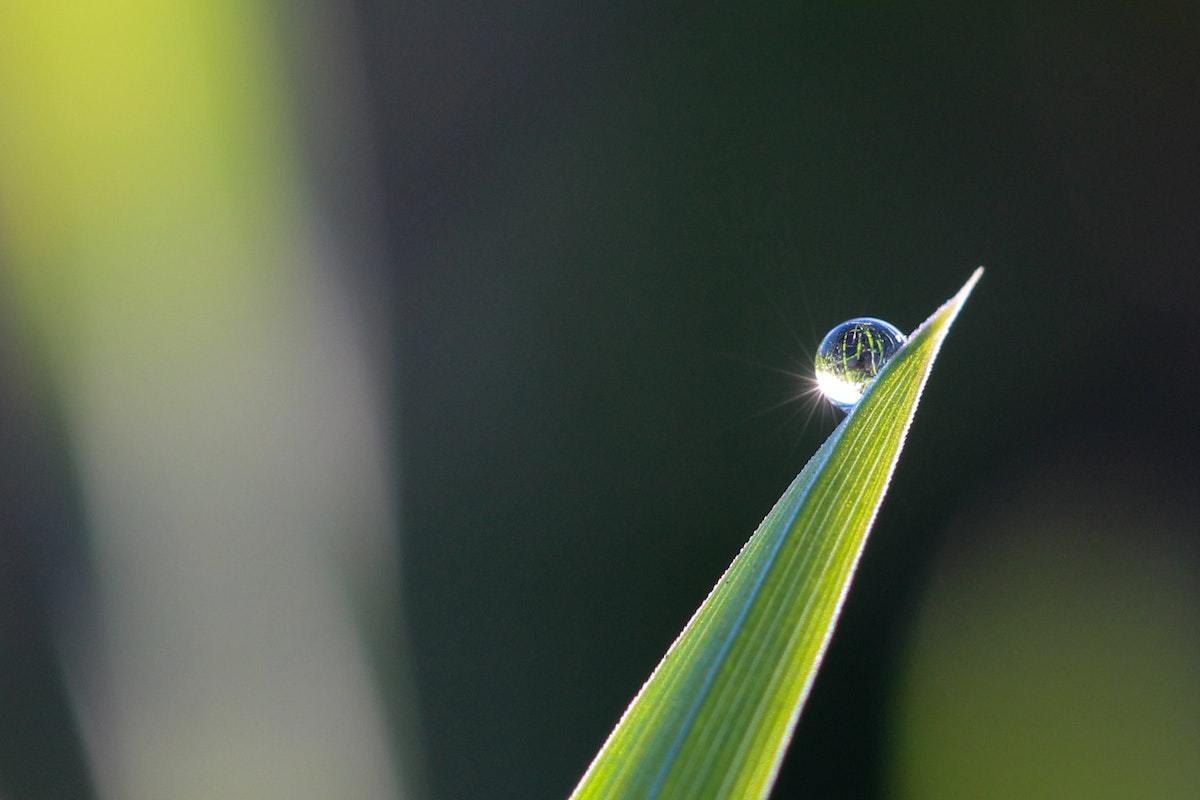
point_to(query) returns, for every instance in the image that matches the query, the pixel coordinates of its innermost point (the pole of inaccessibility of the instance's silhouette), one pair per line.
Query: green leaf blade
(715, 717)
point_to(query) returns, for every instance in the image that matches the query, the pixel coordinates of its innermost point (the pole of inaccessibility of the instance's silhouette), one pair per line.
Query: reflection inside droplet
(851, 355)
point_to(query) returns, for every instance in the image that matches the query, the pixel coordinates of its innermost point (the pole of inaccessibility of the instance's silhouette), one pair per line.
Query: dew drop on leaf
(851, 355)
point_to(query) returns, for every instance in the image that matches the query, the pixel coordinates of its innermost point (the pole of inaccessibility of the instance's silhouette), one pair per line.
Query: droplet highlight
(851, 355)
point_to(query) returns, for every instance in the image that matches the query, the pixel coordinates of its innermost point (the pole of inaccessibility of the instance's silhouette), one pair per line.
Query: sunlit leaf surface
(715, 717)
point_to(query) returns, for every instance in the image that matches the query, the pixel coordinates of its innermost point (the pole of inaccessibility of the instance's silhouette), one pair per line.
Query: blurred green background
(383, 386)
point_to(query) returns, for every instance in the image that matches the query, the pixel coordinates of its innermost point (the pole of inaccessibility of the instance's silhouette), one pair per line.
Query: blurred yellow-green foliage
(1053, 656)
(150, 172)
(227, 437)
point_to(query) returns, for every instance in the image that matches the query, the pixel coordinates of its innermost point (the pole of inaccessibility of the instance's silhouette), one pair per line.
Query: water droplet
(851, 355)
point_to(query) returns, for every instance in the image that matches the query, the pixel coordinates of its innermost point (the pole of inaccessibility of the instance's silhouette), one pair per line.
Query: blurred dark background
(583, 247)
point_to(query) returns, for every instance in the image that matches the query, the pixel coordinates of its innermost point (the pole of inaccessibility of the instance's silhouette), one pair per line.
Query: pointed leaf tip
(716, 715)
